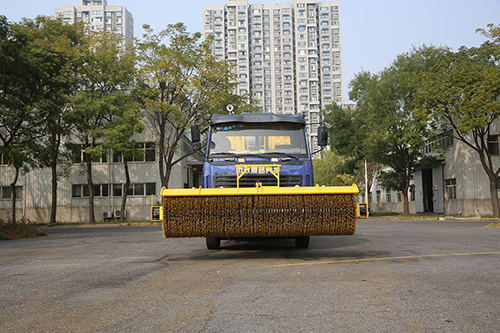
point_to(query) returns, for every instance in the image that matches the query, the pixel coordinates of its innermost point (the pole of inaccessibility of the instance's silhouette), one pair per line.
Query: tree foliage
(330, 171)
(383, 128)
(124, 120)
(462, 92)
(348, 129)
(180, 82)
(106, 75)
(57, 44)
(34, 68)
(492, 32)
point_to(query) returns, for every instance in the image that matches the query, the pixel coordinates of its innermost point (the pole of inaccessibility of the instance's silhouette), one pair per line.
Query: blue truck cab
(248, 149)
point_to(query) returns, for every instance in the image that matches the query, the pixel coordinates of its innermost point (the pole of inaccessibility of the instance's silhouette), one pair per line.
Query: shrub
(23, 229)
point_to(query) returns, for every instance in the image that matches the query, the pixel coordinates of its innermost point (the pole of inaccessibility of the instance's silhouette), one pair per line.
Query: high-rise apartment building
(99, 15)
(287, 55)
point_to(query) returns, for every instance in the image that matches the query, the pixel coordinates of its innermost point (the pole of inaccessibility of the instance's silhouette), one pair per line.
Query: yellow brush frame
(260, 190)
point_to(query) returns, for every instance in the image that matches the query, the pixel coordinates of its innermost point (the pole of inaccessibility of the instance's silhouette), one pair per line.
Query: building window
(80, 157)
(388, 197)
(101, 159)
(6, 192)
(412, 192)
(493, 145)
(3, 160)
(451, 188)
(445, 140)
(82, 190)
(142, 189)
(145, 152)
(103, 190)
(378, 196)
(117, 190)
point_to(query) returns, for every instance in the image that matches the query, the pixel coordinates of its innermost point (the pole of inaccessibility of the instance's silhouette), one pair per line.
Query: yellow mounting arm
(274, 169)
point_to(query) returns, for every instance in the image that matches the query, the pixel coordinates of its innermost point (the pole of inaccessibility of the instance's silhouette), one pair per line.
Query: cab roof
(246, 117)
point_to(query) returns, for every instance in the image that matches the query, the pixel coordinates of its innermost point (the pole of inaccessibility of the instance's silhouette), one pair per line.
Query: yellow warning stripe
(264, 190)
(386, 258)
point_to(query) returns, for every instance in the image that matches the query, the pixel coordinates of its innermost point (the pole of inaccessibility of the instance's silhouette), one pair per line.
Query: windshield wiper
(269, 155)
(261, 155)
(224, 154)
(280, 154)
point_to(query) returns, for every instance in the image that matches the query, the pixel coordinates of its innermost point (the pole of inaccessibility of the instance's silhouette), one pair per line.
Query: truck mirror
(195, 137)
(322, 136)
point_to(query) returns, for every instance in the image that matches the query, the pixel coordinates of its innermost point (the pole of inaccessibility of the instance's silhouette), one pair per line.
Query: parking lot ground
(391, 276)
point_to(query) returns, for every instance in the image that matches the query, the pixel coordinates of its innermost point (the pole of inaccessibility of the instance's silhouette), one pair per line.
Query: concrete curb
(125, 224)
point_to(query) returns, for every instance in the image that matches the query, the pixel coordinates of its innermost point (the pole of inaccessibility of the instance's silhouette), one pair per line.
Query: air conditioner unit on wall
(118, 213)
(107, 215)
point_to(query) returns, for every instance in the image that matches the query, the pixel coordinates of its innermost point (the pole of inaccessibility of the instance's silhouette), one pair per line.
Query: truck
(258, 181)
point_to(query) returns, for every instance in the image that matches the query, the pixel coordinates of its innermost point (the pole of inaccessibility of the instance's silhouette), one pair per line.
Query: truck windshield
(256, 138)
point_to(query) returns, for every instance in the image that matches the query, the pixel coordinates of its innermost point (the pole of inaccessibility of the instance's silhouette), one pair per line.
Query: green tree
(463, 92)
(22, 124)
(124, 120)
(348, 129)
(330, 170)
(57, 45)
(385, 102)
(106, 72)
(180, 83)
(492, 33)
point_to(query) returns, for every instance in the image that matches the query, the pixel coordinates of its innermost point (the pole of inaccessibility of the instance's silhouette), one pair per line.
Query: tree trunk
(161, 156)
(487, 164)
(404, 191)
(125, 190)
(165, 170)
(161, 168)
(406, 204)
(56, 143)
(168, 171)
(494, 196)
(88, 162)
(53, 207)
(13, 190)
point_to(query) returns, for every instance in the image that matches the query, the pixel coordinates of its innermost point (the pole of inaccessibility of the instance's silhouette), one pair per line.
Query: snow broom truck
(258, 182)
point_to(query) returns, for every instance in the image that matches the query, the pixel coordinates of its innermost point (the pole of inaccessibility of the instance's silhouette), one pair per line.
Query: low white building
(457, 186)
(34, 188)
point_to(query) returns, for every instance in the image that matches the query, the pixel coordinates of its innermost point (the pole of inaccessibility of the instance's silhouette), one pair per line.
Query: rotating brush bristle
(259, 215)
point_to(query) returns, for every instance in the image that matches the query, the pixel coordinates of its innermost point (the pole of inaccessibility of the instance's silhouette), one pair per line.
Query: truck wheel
(302, 242)
(213, 243)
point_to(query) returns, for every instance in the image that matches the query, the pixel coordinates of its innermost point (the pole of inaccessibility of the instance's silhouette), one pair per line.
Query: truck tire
(302, 242)
(213, 243)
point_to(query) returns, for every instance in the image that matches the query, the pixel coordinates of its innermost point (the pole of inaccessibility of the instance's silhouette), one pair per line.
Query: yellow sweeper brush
(259, 211)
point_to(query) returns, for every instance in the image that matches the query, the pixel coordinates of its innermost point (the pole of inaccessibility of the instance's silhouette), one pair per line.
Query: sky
(373, 32)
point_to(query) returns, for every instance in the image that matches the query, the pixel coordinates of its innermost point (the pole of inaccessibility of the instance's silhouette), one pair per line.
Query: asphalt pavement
(391, 276)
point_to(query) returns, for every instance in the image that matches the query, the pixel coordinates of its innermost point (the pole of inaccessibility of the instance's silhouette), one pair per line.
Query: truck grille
(250, 180)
